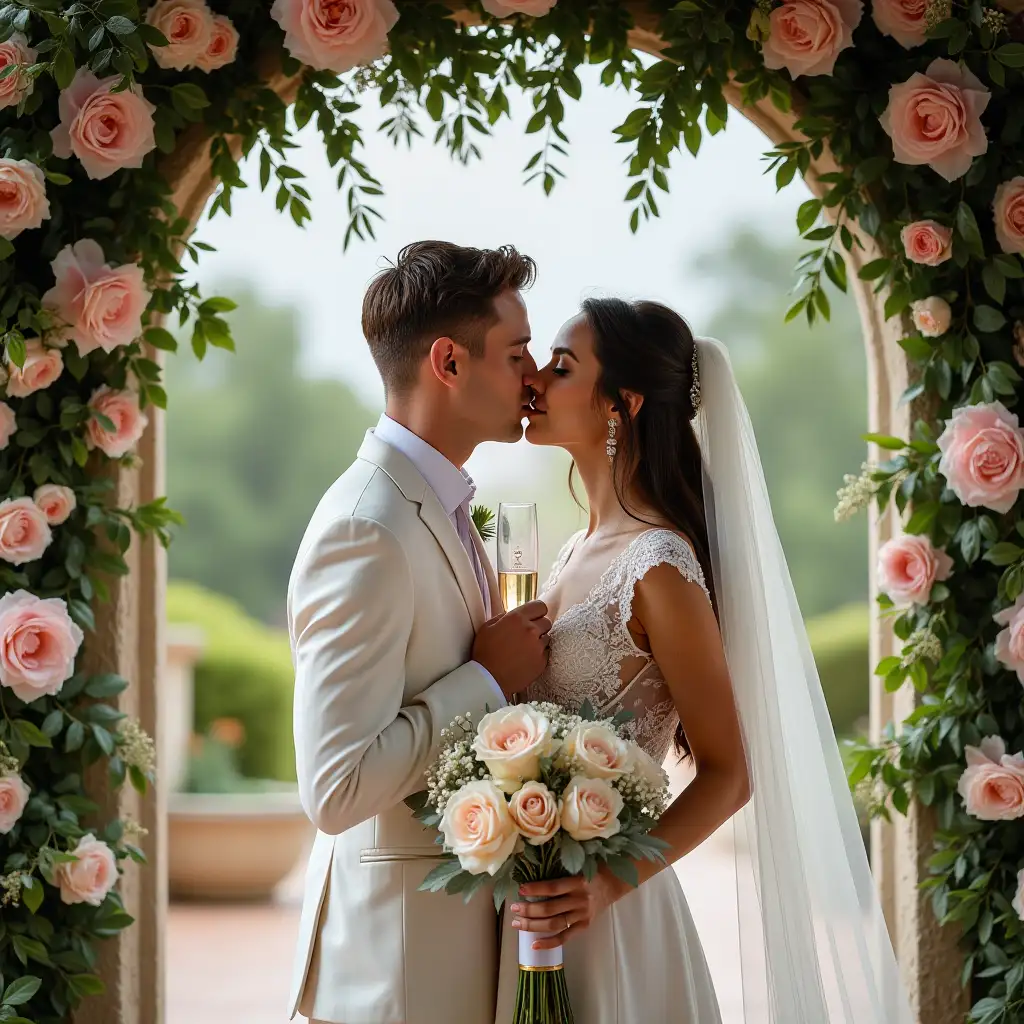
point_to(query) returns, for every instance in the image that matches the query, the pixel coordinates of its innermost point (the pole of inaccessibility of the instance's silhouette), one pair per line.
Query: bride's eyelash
(558, 371)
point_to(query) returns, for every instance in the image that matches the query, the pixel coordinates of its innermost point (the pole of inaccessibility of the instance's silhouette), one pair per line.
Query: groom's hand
(514, 647)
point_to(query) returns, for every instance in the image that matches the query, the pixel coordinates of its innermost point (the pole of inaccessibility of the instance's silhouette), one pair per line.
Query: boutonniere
(483, 520)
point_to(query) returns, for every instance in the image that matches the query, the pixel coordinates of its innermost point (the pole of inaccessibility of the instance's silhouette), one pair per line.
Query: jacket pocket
(397, 854)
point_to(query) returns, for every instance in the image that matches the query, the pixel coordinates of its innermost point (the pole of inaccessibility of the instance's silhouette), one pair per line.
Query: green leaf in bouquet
(572, 854)
(477, 882)
(624, 869)
(416, 802)
(622, 717)
(505, 885)
(589, 871)
(586, 711)
(440, 875)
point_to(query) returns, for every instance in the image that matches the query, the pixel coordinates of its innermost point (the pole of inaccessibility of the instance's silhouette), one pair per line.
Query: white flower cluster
(10, 889)
(9, 764)
(643, 793)
(456, 764)
(922, 645)
(137, 747)
(855, 494)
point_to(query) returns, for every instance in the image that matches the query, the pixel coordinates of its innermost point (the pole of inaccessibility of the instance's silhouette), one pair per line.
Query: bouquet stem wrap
(542, 996)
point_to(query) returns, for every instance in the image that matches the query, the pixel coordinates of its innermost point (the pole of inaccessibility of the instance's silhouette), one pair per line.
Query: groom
(395, 626)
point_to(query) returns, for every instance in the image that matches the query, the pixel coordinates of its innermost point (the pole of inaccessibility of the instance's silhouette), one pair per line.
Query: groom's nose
(533, 379)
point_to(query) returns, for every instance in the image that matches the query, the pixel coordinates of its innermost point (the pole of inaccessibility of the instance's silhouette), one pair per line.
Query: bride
(676, 604)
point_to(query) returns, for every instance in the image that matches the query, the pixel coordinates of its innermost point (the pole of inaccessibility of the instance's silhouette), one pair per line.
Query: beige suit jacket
(383, 606)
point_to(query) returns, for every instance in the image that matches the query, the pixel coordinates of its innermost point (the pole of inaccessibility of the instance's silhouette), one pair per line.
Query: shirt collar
(453, 486)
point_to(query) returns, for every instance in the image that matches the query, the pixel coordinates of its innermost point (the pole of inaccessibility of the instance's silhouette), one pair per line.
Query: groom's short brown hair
(436, 290)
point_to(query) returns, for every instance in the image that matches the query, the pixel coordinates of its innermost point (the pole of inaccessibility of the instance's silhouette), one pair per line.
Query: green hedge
(245, 672)
(840, 640)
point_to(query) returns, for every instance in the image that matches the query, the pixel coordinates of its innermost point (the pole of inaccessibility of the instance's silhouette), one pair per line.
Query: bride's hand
(571, 904)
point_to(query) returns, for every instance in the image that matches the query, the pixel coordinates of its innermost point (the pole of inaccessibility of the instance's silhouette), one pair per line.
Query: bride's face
(565, 411)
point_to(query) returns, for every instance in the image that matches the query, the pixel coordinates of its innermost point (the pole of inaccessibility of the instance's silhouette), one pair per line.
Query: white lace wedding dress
(641, 961)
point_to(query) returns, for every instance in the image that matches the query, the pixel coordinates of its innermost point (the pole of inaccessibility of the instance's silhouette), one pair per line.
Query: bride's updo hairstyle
(648, 349)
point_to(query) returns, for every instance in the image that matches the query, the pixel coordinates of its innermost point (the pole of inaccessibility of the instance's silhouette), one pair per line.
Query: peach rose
(42, 367)
(931, 316)
(14, 796)
(992, 784)
(534, 809)
(223, 46)
(38, 644)
(511, 742)
(1018, 342)
(908, 568)
(478, 828)
(1018, 899)
(187, 26)
(927, 242)
(983, 456)
(335, 35)
(1010, 641)
(23, 202)
(121, 408)
(89, 878)
(106, 130)
(1008, 209)
(590, 809)
(101, 305)
(506, 8)
(15, 87)
(24, 531)
(935, 119)
(904, 20)
(806, 36)
(645, 767)
(56, 502)
(599, 752)
(8, 425)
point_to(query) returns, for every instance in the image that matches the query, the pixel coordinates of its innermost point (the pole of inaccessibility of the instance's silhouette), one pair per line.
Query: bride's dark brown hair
(648, 349)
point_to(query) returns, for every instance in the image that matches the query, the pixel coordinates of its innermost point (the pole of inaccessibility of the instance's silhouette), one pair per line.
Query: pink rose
(806, 36)
(478, 828)
(1010, 641)
(24, 531)
(335, 35)
(38, 644)
(590, 809)
(1018, 342)
(55, 502)
(101, 305)
(14, 795)
(992, 785)
(983, 456)
(23, 202)
(15, 87)
(121, 408)
(186, 25)
(106, 130)
(8, 425)
(89, 878)
(927, 242)
(1008, 209)
(506, 8)
(904, 20)
(935, 119)
(42, 367)
(931, 316)
(908, 568)
(1018, 899)
(534, 810)
(223, 45)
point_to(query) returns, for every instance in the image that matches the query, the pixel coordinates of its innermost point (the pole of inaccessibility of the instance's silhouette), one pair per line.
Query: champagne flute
(518, 553)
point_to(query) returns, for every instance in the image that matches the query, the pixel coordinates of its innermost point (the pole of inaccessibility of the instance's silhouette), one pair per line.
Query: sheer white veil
(813, 942)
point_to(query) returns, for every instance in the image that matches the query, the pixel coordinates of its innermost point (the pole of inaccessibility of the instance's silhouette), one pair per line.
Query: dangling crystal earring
(611, 443)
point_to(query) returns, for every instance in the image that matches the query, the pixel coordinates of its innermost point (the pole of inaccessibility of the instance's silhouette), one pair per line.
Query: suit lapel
(492, 580)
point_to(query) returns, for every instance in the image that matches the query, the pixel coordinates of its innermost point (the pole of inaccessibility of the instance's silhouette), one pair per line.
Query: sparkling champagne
(517, 588)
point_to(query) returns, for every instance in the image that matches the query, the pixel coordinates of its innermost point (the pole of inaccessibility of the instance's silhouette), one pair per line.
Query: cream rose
(15, 87)
(506, 8)
(89, 878)
(106, 130)
(335, 35)
(55, 502)
(590, 809)
(101, 305)
(478, 827)
(927, 242)
(121, 409)
(983, 456)
(806, 36)
(904, 20)
(23, 202)
(14, 796)
(931, 316)
(42, 367)
(992, 785)
(534, 810)
(38, 644)
(511, 742)
(223, 46)
(24, 531)
(908, 568)
(186, 25)
(935, 119)
(601, 754)
(645, 767)
(1008, 210)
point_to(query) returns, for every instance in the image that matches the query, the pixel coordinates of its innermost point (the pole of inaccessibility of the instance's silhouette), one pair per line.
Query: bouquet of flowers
(531, 793)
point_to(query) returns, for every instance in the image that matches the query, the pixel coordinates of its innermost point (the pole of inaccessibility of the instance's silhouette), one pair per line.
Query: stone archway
(130, 640)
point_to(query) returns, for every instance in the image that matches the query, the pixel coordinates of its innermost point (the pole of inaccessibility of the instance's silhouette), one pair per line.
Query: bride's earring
(611, 443)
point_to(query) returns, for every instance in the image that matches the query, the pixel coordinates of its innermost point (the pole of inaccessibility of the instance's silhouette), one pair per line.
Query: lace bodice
(593, 653)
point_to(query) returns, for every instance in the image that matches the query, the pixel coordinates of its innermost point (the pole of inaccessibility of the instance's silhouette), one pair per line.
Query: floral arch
(119, 119)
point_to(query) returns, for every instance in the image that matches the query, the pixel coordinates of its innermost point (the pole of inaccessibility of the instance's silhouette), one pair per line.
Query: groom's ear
(444, 360)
